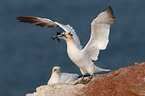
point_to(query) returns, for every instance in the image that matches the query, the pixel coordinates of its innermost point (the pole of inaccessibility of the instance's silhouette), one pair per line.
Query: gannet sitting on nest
(100, 28)
(58, 77)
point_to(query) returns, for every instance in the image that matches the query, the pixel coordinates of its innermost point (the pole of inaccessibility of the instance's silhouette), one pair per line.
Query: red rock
(116, 83)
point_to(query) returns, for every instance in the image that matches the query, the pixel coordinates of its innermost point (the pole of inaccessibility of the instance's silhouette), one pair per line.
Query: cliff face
(128, 81)
(56, 90)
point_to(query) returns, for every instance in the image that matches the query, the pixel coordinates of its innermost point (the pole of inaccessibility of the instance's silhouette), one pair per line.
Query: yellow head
(56, 70)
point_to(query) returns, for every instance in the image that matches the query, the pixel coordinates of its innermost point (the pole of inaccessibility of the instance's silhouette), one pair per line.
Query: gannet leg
(82, 81)
(90, 78)
(83, 77)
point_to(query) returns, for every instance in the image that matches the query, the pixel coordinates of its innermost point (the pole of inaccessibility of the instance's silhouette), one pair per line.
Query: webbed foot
(83, 81)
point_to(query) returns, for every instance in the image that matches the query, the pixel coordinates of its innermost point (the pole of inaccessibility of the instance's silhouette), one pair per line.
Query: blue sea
(27, 52)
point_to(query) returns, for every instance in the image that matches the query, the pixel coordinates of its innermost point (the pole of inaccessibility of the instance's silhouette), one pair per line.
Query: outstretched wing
(43, 22)
(100, 28)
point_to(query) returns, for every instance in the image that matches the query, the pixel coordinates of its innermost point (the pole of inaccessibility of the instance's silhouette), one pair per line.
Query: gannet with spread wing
(58, 77)
(100, 29)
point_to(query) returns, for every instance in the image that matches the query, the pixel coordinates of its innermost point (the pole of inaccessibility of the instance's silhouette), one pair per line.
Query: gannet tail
(98, 69)
(106, 70)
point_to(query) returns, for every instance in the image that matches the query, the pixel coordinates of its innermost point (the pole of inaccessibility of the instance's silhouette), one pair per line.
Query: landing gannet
(57, 77)
(100, 28)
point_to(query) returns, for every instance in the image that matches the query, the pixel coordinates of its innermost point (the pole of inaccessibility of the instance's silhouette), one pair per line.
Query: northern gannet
(100, 28)
(58, 77)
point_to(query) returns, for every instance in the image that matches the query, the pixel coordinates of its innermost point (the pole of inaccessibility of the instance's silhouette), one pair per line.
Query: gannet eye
(70, 34)
(55, 69)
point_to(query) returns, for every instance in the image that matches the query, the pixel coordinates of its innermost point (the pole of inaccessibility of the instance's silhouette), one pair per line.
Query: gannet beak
(59, 36)
(56, 71)
(56, 37)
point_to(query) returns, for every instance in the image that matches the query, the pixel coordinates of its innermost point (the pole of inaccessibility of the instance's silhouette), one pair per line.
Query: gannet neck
(71, 46)
(55, 74)
(55, 78)
(71, 43)
(74, 53)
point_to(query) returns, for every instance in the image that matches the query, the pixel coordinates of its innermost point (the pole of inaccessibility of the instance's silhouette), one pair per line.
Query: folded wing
(68, 77)
(100, 28)
(43, 22)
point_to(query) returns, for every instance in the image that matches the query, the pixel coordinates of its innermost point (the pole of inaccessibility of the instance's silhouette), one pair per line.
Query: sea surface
(27, 52)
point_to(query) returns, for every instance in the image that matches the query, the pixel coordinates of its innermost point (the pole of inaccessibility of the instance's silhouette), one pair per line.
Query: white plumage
(58, 77)
(100, 29)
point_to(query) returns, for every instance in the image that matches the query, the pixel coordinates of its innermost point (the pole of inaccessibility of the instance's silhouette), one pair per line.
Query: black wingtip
(110, 7)
(110, 10)
(18, 18)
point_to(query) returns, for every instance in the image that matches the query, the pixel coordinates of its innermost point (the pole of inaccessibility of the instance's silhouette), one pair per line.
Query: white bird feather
(58, 77)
